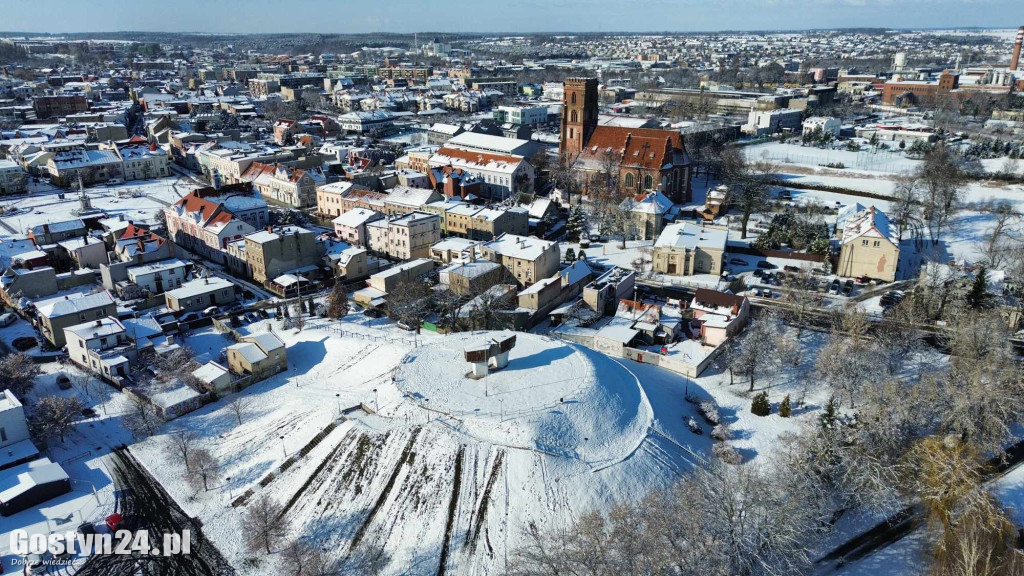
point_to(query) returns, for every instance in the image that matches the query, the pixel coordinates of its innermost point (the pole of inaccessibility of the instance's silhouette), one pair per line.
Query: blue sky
(344, 16)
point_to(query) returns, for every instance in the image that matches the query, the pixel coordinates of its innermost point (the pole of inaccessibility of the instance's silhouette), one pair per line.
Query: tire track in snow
(385, 492)
(452, 511)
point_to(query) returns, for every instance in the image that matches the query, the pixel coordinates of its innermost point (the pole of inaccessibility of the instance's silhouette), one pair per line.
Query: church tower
(579, 114)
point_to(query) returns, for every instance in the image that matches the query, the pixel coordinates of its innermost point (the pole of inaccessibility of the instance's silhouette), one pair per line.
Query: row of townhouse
(206, 220)
(283, 184)
(135, 161)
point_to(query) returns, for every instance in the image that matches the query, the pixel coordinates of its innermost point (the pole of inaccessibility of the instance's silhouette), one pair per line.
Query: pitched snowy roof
(515, 246)
(689, 236)
(870, 223)
(18, 480)
(97, 329)
(65, 305)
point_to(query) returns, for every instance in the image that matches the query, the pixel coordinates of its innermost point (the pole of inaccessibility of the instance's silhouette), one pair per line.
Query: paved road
(144, 503)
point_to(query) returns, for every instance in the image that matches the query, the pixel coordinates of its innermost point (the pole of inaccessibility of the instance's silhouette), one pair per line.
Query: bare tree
(203, 468)
(756, 353)
(17, 373)
(905, 207)
(142, 418)
(180, 444)
(298, 319)
(749, 185)
(409, 302)
(83, 381)
(848, 361)
(942, 189)
(1006, 235)
(262, 524)
(301, 557)
(56, 415)
(239, 406)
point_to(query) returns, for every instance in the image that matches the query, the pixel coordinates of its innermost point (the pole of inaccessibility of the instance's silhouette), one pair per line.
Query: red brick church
(648, 159)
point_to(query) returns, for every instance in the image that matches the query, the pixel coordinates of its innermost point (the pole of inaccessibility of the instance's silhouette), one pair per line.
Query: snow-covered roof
(871, 223)
(689, 236)
(97, 328)
(249, 351)
(174, 397)
(18, 480)
(209, 372)
(200, 286)
(267, 341)
(154, 267)
(515, 246)
(64, 305)
(357, 217)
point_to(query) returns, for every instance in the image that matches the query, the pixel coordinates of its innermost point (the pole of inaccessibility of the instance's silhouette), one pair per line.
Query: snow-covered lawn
(561, 431)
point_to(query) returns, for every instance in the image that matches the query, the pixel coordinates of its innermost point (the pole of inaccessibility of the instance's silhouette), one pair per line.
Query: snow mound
(552, 397)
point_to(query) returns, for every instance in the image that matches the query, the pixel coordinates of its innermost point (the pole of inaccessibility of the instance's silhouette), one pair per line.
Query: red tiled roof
(478, 157)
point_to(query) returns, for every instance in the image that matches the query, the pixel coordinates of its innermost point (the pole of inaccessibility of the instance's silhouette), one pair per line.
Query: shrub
(727, 454)
(760, 406)
(709, 412)
(694, 426)
(785, 410)
(722, 432)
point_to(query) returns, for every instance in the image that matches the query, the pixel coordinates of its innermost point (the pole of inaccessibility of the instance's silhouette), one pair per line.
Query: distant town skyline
(525, 16)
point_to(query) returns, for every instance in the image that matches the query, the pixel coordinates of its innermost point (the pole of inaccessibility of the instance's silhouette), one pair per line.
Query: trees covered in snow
(742, 520)
(755, 354)
(848, 361)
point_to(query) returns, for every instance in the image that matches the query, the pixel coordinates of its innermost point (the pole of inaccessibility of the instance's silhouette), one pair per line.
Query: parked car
(63, 382)
(190, 317)
(738, 262)
(848, 288)
(766, 265)
(406, 326)
(785, 195)
(863, 280)
(211, 311)
(7, 319)
(791, 268)
(114, 522)
(373, 313)
(834, 287)
(86, 528)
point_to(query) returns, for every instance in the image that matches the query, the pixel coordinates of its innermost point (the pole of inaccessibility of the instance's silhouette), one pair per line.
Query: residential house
(348, 262)
(869, 246)
(200, 293)
(100, 346)
(404, 237)
(274, 251)
(720, 314)
(53, 315)
(53, 232)
(259, 356)
(527, 259)
(649, 213)
(85, 251)
(158, 277)
(402, 199)
(18, 283)
(351, 226)
(336, 198)
(206, 220)
(379, 284)
(471, 276)
(93, 166)
(16, 445)
(283, 184)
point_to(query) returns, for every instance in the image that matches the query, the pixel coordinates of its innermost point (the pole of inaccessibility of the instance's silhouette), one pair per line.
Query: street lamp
(338, 396)
(283, 449)
(376, 401)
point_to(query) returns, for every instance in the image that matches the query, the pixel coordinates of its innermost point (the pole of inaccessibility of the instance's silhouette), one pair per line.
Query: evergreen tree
(785, 410)
(570, 255)
(337, 302)
(761, 406)
(978, 297)
(576, 223)
(829, 419)
(310, 306)
(582, 255)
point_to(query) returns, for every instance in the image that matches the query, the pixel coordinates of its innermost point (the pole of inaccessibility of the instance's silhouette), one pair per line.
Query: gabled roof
(871, 223)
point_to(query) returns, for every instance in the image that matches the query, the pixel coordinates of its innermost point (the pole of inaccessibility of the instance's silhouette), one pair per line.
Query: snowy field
(444, 462)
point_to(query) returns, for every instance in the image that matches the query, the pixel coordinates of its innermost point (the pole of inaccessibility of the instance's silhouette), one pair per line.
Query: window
(648, 182)
(629, 180)
(574, 117)
(863, 242)
(573, 97)
(877, 243)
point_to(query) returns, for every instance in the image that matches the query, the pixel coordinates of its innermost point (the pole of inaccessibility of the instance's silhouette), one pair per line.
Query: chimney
(99, 322)
(1015, 59)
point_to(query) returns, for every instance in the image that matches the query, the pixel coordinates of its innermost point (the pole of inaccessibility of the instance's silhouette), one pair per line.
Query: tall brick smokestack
(1015, 59)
